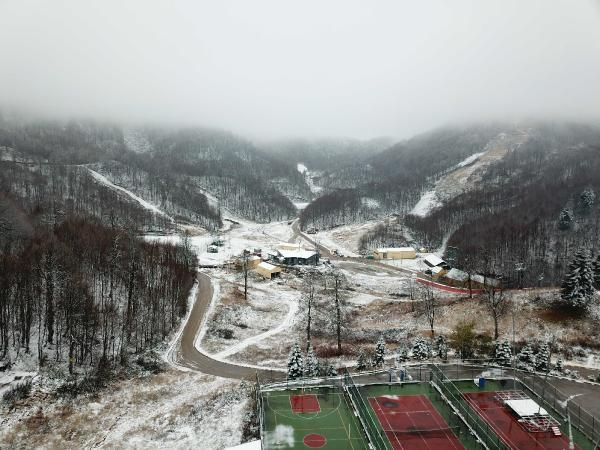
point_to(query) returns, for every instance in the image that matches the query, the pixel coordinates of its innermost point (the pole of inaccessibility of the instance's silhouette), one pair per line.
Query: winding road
(187, 355)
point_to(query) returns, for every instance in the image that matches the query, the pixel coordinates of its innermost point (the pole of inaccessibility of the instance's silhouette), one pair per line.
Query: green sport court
(403, 417)
(310, 418)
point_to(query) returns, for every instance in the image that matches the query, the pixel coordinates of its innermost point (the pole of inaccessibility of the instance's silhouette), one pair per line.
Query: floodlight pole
(571, 444)
(565, 405)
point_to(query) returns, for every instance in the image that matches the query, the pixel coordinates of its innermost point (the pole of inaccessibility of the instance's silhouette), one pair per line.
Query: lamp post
(565, 405)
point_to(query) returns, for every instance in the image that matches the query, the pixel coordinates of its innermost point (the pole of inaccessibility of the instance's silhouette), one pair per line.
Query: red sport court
(411, 422)
(507, 427)
(305, 404)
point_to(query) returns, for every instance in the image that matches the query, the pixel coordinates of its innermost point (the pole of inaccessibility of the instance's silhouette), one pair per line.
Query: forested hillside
(325, 155)
(188, 173)
(532, 209)
(392, 181)
(242, 178)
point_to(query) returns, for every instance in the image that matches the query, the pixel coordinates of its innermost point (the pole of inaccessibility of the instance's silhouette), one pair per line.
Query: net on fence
(362, 410)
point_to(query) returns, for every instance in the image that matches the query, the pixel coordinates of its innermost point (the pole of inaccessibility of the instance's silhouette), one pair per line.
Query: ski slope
(146, 205)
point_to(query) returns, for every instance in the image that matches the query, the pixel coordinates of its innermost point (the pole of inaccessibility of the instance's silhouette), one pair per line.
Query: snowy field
(157, 411)
(344, 239)
(235, 323)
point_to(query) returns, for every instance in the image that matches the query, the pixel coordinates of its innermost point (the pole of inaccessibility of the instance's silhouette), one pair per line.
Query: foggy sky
(304, 68)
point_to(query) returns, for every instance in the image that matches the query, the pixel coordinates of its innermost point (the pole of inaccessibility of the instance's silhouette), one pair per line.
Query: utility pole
(245, 269)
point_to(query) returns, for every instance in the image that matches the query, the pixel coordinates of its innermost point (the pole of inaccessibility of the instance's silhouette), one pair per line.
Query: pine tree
(378, 358)
(587, 199)
(559, 365)
(361, 363)
(295, 366)
(578, 286)
(441, 346)
(565, 219)
(542, 359)
(503, 354)
(526, 358)
(331, 371)
(311, 364)
(402, 356)
(596, 270)
(421, 350)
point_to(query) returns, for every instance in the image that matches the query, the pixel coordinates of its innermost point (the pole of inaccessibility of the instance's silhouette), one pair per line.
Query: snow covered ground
(309, 178)
(468, 172)
(156, 412)
(345, 239)
(271, 309)
(426, 204)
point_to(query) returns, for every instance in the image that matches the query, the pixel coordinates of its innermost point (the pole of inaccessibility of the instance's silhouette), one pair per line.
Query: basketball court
(310, 418)
(411, 422)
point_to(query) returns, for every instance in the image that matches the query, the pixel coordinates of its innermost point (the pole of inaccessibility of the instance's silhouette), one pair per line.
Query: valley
(223, 339)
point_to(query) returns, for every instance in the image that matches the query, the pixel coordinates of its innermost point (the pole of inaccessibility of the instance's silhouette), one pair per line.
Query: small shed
(438, 272)
(395, 253)
(267, 270)
(434, 261)
(253, 261)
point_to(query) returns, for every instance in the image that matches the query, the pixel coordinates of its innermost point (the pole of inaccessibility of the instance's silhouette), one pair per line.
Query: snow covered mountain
(496, 192)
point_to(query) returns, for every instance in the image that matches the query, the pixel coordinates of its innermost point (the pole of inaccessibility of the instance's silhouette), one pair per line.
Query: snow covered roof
(433, 260)
(302, 254)
(395, 249)
(267, 266)
(458, 275)
(526, 407)
(437, 269)
(254, 258)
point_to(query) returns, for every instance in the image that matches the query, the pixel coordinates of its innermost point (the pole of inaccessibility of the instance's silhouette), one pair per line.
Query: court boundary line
(438, 416)
(501, 434)
(388, 422)
(430, 408)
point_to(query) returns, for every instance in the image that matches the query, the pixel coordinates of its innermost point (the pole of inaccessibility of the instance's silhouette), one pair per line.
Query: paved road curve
(188, 355)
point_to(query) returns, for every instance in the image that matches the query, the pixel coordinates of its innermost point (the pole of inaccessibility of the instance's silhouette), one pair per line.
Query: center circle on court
(314, 440)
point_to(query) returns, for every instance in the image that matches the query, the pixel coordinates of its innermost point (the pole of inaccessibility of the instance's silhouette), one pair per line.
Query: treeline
(336, 208)
(79, 292)
(383, 235)
(512, 220)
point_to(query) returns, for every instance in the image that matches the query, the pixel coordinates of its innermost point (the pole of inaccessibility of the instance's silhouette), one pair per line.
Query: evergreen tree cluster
(421, 349)
(578, 288)
(503, 353)
(300, 366)
(528, 359)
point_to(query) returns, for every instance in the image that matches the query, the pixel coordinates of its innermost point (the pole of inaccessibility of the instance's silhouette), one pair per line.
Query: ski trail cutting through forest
(287, 322)
(147, 205)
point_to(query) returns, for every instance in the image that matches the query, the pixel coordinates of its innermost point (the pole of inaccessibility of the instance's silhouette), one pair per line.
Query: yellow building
(395, 253)
(267, 270)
